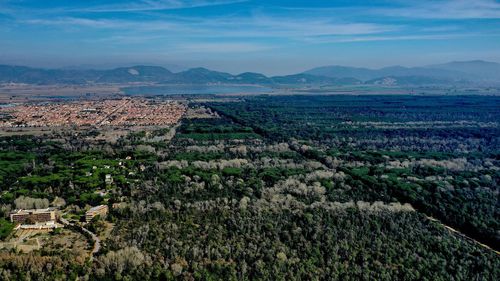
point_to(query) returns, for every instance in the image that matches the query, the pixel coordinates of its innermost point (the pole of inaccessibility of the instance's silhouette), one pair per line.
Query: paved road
(97, 241)
(99, 123)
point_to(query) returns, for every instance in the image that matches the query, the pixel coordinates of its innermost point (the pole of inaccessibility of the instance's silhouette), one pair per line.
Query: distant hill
(251, 78)
(366, 74)
(307, 79)
(338, 71)
(477, 68)
(138, 73)
(409, 80)
(153, 74)
(201, 75)
(22, 74)
(453, 72)
(467, 72)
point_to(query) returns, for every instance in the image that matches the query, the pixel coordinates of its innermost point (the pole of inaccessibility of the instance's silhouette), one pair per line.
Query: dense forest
(438, 153)
(272, 188)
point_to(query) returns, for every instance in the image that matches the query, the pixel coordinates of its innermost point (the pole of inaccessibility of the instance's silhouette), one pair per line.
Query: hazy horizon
(273, 38)
(175, 68)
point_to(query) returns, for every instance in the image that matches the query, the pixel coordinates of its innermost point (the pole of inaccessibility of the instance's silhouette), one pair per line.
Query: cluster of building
(35, 218)
(117, 112)
(145, 113)
(47, 218)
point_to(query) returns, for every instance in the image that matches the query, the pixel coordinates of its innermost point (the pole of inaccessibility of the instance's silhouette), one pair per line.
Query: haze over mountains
(463, 73)
(452, 72)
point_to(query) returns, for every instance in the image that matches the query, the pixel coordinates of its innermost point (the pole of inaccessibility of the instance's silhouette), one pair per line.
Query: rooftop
(34, 211)
(96, 208)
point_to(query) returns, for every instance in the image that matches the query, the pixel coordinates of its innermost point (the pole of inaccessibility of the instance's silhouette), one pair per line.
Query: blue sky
(272, 37)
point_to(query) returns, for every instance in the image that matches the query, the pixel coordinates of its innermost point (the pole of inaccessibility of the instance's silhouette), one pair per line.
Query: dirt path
(453, 230)
(97, 241)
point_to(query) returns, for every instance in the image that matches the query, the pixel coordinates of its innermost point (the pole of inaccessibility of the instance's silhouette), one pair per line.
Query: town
(111, 112)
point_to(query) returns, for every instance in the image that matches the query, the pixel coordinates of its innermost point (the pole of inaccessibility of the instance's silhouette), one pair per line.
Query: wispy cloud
(118, 26)
(318, 26)
(129, 39)
(154, 5)
(229, 47)
(71, 22)
(259, 26)
(262, 24)
(242, 32)
(391, 38)
(411, 9)
(445, 9)
(440, 28)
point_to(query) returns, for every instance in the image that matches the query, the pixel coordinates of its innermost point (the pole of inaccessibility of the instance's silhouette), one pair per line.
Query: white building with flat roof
(101, 210)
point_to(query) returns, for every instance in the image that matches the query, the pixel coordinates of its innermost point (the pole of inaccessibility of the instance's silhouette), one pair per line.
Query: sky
(271, 37)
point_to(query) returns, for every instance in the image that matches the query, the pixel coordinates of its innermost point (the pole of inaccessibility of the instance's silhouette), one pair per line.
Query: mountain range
(465, 73)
